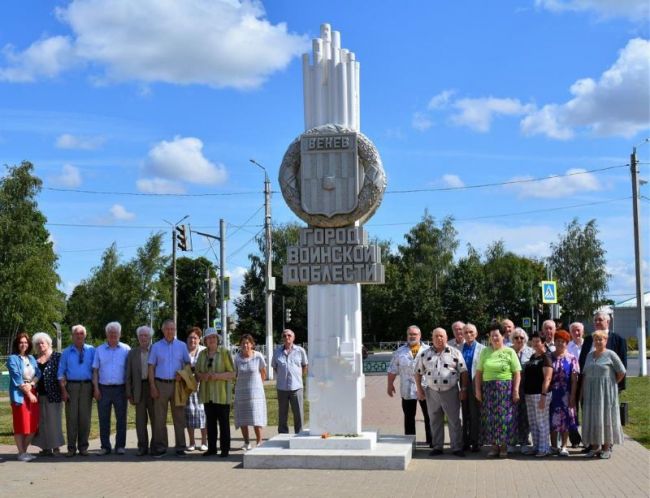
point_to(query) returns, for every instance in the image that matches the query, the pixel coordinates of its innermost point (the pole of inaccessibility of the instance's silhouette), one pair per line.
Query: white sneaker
(247, 446)
(203, 447)
(564, 452)
(22, 457)
(190, 448)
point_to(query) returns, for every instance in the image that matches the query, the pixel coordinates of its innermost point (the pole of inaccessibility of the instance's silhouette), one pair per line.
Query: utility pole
(225, 338)
(640, 298)
(207, 297)
(174, 283)
(269, 286)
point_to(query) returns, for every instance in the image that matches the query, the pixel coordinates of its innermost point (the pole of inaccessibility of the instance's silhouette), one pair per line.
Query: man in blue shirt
(75, 378)
(290, 365)
(167, 357)
(109, 378)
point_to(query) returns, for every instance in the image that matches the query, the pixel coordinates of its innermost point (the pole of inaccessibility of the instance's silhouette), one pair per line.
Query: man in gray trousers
(445, 369)
(290, 365)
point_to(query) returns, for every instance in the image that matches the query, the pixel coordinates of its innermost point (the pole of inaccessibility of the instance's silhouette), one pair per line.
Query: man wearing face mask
(403, 364)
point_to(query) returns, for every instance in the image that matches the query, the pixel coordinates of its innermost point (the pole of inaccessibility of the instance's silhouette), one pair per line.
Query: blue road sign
(549, 292)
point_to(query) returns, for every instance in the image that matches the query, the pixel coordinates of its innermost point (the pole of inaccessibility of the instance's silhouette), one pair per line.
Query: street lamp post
(269, 285)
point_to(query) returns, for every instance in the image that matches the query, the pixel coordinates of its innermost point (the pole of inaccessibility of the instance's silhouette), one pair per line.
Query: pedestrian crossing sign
(549, 292)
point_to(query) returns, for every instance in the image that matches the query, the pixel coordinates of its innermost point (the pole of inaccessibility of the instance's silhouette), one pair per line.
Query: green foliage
(119, 292)
(425, 261)
(512, 283)
(465, 292)
(191, 293)
(251, 305)
(578, 256)
(29, 298)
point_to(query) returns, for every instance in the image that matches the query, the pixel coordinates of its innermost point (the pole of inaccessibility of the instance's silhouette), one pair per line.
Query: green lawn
(6, 432)
(637, 395)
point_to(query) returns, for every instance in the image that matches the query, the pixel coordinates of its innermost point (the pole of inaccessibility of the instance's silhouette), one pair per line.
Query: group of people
(515, 387)
(194, 381)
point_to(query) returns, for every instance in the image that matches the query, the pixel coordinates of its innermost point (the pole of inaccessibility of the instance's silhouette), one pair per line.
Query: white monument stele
(332, 178)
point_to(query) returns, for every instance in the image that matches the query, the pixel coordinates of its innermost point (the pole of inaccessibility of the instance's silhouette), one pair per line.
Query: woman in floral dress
(563, 388)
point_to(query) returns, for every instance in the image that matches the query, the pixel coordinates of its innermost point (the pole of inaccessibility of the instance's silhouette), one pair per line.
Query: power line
(245, 244)
(509, 182)
(559, 208)
(407, 191)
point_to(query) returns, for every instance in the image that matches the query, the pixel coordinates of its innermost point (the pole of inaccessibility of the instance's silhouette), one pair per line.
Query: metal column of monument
(332, 178)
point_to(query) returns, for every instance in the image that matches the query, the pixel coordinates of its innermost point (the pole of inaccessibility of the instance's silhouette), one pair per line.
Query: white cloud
(182, 159)
(477, 113)
(43, 58)
(69, 141)
(617, 104)
(555, 187)
(421, 121)
(119, 213)
(221, 43)
(159, 186)
(236, 275)
(441, 100)
(452, 181)
(69, 177)
(526, 240)
(632, 9)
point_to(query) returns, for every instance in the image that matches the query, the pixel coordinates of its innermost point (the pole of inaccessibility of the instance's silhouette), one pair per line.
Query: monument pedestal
(368, 451)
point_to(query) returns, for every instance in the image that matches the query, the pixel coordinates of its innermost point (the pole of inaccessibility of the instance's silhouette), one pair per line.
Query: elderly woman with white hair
(50, 432)
(519, 339)
(137, 387)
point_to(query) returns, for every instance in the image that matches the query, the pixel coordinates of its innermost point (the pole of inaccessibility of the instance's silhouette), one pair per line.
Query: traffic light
(287, 315)
(184, 238)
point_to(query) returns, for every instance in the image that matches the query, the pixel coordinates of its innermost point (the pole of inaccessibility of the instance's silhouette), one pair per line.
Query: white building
(625, 313)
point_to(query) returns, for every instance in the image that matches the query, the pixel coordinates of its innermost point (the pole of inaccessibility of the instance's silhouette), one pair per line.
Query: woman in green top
(215, 370)
(497, 389)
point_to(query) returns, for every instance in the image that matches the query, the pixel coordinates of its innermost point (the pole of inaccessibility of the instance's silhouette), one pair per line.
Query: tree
(425, 262)
(465, 294)
(512, 283)
(381, 316)
(29, 298)
(191, 293)
(120, 292)
(578, 263)
(251, 308)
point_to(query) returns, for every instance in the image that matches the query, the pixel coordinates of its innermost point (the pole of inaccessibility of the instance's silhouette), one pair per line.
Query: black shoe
(586, 450)
(223, 455)
(459, 453)
(142, 451)
(476, 448)
(435, 452)
(181, 453)
(466, 447)
(159, 454)
(209, 453)
(46, 453)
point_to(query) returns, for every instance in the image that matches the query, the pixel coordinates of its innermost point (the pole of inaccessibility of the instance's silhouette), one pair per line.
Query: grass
(6, 424)
(636, 395)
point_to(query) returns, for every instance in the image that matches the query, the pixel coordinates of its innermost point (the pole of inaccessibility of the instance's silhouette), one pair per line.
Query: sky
(134, 113)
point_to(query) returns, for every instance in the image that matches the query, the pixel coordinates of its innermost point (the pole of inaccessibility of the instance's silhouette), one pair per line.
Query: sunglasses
(518, 338)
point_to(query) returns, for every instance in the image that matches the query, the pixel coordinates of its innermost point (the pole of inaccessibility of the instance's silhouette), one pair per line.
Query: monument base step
(389, 453)
(305, 441)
